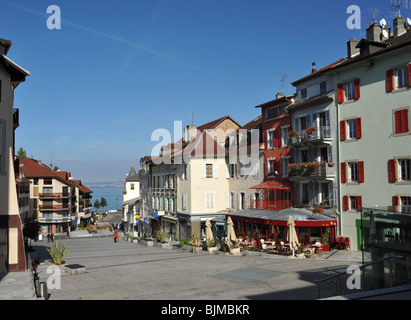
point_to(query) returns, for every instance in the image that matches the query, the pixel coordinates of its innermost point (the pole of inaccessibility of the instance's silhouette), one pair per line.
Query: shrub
(162, 235)
(210, 242)
(57, 252)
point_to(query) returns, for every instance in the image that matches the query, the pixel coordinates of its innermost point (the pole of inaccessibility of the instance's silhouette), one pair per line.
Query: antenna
(374, 11)
(192, 118)
(397, 4)
(283, 78)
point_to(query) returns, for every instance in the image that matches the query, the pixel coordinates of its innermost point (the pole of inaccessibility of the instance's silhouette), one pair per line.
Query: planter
(300, 255)
(211, 249)
(148, 243)
(234, 250)
(129, 239)
(162, 245)
(135, 241)
(326, 248)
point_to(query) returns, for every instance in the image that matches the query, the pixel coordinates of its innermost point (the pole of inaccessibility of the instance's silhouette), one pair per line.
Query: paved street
(126, 270)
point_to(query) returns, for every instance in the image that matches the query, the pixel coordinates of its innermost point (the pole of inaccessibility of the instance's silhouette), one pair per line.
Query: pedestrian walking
(48, 237)
(116, 236)
(52, 237)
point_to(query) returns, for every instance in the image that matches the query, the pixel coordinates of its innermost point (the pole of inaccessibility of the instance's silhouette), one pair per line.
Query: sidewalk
(18, 285)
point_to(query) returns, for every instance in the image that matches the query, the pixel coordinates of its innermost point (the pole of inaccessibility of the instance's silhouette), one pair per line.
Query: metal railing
(337, 278)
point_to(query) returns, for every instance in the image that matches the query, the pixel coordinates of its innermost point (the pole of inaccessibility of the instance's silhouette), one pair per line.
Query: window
(401, 77)
(348, 91)
(351, 129)
(132, 186)
(243, 202)
(274, 112)
(401, 121)
(404, 166)
(304, 94)
(184, 201)
(285, 163)
(270, 139)
(270, 166)
(284, 136)
(405, 201)
(210, 200)
(48, 181)
(209, 170)
(47, 190)
(352, 203)
(352, 171)
(398, 78)
(323, 87)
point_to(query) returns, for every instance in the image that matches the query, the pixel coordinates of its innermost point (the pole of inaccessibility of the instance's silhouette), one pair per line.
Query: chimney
(190, 133)
(399, 26)
(4, 46)
(351, 48)
(314, 69)
(374, 32)
(279, 95)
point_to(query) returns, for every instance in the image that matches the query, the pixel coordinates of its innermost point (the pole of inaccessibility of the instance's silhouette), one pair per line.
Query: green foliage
(210, 243)
(31, 228)
(21, 154)
(192, 238)
(184, 241)
(161, 235)
(97, 204)
(326, 236)
(103, 202)
(58, 252)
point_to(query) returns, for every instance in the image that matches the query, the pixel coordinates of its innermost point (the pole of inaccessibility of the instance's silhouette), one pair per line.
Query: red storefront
(272, 226)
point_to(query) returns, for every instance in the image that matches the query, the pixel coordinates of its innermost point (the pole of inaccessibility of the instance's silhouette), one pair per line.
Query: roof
(132, 175)
(211, 125)
(253, 123)
(36, 169)
(278, 101)
(300, 216)
(271, 185)
(319, 72)
(17, 73)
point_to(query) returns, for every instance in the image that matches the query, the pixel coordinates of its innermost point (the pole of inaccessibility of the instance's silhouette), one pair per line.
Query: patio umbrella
(209, 232)
(292, 234)
(230, 230)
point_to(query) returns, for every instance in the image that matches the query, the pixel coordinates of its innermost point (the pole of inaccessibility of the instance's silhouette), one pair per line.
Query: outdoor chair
(310, 253)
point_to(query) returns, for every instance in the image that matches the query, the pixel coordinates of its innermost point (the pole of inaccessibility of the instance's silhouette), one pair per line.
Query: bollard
(42, 290)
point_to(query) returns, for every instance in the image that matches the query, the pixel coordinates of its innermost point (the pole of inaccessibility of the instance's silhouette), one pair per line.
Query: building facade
(12, 255)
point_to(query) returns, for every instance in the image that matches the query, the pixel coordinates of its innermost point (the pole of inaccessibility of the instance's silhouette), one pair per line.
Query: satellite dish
(383, 23)
(408, 23)
(385, 33)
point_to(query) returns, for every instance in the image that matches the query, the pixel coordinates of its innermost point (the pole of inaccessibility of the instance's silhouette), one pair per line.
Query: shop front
(254, 225)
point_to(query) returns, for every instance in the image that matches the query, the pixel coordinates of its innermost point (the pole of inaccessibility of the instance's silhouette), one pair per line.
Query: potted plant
(311, 130)
(292, 133)
(295, 167)
(235, 247)
(57, 252)
(211, 245)
(318, 210)
(300, 253)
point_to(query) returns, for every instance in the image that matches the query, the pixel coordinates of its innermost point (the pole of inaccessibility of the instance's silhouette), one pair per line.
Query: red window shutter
(343, 172)
(404, 120)
(340, 92)
(357, 88)
(345, 203)
(359, 128)
(390, 83)
(360, 171)
(395, 200)
(398, 121)
(409, 74)
(343, 134)
(359, 203)
(393, 171)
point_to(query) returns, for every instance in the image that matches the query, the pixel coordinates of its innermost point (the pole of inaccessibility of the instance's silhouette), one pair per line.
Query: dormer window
(323, 87)
(304, 94)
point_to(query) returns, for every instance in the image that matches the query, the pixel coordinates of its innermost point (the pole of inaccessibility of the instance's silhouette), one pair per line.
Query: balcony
(264, 204)
(54, 207)
(53, 195)
(312, 135)
(313, 170)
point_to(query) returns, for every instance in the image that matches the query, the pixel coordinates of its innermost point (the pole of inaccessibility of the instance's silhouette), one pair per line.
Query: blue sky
(118, 70)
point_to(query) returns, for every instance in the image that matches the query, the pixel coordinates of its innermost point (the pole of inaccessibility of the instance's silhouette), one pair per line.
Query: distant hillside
(104, 184)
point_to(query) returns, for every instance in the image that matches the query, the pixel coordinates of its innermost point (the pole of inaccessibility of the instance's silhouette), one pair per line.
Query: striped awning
(271, 185)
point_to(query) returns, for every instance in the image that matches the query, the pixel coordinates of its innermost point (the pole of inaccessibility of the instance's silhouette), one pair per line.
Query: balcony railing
(54, 195)
(321, 134)
(54, 207)
(311, 169)
(270, 204)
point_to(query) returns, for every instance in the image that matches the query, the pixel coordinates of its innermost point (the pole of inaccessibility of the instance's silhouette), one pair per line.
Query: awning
(271, 185)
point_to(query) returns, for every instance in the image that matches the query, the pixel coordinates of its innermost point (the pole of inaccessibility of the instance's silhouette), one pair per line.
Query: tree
(22, 154)
(31, 229)
(103, 202)
(97, 204)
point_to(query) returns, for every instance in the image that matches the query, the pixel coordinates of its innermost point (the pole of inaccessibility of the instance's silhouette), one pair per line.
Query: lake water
(113, 196)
